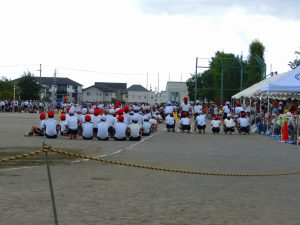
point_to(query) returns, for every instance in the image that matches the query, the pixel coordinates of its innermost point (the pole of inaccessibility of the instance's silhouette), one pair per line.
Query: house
(105, 92)
(138, 94)
(175, 91)
(60, 89)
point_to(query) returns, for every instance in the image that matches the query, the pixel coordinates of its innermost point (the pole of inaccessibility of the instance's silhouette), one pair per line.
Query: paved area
(89, 192)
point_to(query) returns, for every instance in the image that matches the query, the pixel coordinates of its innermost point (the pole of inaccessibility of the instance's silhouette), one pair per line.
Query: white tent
(281, 85)
(289, 83)
(255, 89)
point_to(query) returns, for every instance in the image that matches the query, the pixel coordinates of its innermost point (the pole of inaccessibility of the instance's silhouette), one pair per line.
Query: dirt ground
(89, 192)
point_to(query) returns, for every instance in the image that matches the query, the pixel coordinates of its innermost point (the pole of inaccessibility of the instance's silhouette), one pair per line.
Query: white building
(175, 91)
(139, 94)
(60, 89)
(105, 92)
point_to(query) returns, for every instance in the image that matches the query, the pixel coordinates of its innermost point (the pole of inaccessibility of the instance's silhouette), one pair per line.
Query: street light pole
(196, 79)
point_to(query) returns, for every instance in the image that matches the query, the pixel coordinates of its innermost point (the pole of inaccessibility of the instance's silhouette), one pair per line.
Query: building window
(145, 97)
(87, 93)
(106, 94)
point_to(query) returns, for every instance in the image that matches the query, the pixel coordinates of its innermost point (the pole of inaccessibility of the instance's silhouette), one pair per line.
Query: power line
(93, 71)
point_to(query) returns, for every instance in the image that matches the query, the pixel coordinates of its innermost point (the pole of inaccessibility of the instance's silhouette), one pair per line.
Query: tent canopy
(280, 85)
(290, 82)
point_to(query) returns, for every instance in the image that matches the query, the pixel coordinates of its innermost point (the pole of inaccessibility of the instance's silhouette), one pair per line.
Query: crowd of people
(122, 122)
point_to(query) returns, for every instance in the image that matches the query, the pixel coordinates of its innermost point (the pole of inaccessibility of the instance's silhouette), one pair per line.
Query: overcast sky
(123, 40)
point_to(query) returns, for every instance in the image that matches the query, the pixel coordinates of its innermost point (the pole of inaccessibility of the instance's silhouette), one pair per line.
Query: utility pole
(40, 70)
(54, 84)
(158, 82)
(196, 79)
(147, 82)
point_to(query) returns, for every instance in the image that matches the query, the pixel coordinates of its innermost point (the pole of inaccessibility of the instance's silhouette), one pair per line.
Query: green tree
(6, 89)
(29, 88)
(296, 62)
(209, 82)
(253, 69)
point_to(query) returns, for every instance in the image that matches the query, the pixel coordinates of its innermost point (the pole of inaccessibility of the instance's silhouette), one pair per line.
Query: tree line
(228, 74)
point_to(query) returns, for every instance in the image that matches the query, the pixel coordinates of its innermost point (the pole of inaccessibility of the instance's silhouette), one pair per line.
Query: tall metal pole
(196, 72)
(242, 73)
(222, 82)
(51, 188)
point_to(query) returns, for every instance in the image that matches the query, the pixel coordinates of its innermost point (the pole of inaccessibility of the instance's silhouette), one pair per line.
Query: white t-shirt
(226, 109)
(134, 129)
(185, 107)
(42, 124)
(229, 122)
(111, 120)
(237, 110)
(120, 129)
(197, 108)
(243, 122)
(215, 123)
(170, 120)
(146, 126)
(62, 125)
(153, 121)
(87, 129)
(200, 120)
(102, 130)
(95, 120)
(72, 122)
(169, 109)
(185, 121)
(51, 127)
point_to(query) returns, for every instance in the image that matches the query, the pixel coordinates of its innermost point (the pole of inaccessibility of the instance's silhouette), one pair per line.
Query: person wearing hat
(120, 129)
(170, 122)
(134, 130)
(87, 128)
(146, 127)
(51, 126)
(185, 106)
(111, 121)
(72, 123)
(200, 122)
(169, 108)
(226, 109)
(291, 122)
(229, 124)
(216, 124)
(102, 134)
(238, 109)
(243, 124)
(185, 123)
(63, 125)
(39, 131)
(197, 109)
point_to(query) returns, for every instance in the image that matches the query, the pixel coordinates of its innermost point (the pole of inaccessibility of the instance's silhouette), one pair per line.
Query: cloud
(288, 9)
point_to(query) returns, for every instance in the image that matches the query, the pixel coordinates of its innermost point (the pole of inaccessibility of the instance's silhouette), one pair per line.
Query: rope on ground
(76, 155)
(48, 148)
(25, 155)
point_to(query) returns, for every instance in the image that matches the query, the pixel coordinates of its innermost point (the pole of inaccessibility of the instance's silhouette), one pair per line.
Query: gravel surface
(89, 192)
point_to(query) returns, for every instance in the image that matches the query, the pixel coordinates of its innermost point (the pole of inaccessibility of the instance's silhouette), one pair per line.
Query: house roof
(111, 87)
(58, 81)
(137, 87)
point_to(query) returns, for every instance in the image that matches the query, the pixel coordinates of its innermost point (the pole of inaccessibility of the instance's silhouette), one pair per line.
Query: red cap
(121, 118)
(63, 117)
(87, 118)
(50, 114)
(238, 104)
(216, 118)
(42, 116)
(126, 108)
(96, 112)
(120, 112)
(185, 98)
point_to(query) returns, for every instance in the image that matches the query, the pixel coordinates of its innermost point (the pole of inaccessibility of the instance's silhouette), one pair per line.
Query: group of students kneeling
(70, 126)
(229, 123)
